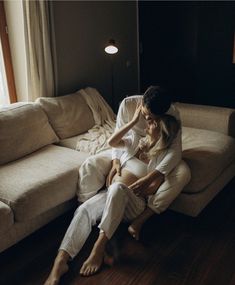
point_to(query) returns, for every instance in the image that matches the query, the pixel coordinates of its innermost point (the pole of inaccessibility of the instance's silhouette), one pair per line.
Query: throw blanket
(95, 140)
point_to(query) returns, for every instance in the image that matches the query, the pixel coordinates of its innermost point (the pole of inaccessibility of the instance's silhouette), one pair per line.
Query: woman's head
(160, 133)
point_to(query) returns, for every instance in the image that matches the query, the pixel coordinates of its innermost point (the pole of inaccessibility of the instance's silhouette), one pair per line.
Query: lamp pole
(112, 83)
(111, 49)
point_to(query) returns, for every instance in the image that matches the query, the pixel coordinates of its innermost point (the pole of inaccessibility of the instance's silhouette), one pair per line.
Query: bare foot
(60, 267)
(134, 231)
(92, 264)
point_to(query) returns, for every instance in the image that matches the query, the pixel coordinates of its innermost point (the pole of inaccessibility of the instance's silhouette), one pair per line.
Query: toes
(88, 270)
(82, 270)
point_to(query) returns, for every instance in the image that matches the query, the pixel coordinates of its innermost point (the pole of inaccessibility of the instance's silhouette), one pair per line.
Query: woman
(119, 202)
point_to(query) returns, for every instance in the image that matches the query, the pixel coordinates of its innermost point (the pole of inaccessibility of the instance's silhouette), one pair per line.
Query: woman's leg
(77, 233)
(121, 203)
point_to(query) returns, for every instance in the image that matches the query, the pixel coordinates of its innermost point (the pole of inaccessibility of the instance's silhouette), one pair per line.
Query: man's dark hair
(157, 100)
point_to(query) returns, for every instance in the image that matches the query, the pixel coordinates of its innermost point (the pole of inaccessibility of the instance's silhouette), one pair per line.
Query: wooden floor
(174, 250)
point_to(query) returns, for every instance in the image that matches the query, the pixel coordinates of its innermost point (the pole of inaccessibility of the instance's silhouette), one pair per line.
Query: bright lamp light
(111, 48)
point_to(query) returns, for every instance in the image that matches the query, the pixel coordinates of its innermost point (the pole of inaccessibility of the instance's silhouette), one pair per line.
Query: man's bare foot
(60, 267)
(92, 264)
(134, 231)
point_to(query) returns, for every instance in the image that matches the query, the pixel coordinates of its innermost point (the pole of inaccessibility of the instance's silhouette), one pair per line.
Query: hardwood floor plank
(174, 250)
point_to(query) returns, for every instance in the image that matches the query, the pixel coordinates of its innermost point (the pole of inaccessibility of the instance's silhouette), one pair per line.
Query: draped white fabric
(38, 49)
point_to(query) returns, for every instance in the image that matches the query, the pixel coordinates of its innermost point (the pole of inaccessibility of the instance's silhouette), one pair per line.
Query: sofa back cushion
(69, 115)
(24, 128)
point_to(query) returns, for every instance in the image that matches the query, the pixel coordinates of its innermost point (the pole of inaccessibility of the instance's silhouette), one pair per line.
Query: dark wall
(82, 30)
(187, 46)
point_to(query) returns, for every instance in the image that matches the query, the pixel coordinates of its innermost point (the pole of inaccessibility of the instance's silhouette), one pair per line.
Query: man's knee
(170, 189)
(181, 174)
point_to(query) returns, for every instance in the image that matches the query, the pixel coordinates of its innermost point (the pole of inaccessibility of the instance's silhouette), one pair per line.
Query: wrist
(116, 161)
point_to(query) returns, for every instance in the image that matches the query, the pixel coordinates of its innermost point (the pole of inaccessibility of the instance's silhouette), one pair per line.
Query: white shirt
(168, 159)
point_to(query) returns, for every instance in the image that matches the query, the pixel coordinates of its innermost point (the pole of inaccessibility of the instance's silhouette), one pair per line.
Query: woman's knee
(117, 190)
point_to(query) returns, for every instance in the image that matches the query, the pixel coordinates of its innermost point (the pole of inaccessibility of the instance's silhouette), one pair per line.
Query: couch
(39, 162)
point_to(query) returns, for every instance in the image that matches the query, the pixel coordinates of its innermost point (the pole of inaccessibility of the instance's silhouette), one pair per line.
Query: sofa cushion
(207, 153)
(71, 142)
(7, 218)
(24, 128)
(40, 181)
(69, 115)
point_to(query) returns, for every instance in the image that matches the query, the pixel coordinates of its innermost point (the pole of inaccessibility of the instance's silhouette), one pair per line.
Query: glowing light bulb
(111, 48)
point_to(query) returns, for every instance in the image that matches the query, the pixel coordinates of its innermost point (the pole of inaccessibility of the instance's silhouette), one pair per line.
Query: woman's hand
(116, 169)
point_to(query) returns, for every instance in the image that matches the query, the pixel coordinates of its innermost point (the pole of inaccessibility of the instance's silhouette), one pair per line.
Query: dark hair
(157, 100)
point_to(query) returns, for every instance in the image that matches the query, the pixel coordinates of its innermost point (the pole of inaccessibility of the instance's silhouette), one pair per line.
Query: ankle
(62, 257)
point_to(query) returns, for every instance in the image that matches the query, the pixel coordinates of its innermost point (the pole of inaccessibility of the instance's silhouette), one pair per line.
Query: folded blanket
(95, 140)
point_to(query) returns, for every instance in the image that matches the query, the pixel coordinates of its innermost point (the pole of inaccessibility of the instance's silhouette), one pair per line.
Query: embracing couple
(145, 176)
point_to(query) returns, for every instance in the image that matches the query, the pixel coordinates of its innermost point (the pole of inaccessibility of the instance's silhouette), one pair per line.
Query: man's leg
(92, 174)
(165, 195)
(77, 233)
(136, 225)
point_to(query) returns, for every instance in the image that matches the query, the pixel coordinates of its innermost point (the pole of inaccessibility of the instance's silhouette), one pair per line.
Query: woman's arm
(116, 139)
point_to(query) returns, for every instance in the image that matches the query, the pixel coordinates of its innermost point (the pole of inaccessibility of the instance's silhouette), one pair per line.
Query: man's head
(156, 102)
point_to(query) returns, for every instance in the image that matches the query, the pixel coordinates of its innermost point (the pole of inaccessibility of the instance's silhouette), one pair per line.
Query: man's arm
(172, 156)
(148, 184)
(168, 162)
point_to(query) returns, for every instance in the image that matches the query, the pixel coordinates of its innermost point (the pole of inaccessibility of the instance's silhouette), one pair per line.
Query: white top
(164, 162)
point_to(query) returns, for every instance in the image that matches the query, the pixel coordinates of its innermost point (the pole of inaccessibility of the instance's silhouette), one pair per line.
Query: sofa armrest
(218, 119)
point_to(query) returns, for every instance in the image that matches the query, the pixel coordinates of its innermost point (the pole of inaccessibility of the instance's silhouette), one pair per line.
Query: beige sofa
(39, 164)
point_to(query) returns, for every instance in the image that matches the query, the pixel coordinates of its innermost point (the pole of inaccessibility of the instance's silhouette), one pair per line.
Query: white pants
(111, 206)
(95, 169)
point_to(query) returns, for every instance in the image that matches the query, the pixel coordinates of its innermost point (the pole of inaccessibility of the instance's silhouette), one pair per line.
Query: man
(171, 174)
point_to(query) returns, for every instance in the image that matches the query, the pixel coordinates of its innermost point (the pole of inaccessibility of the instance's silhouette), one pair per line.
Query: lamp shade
(111, 47)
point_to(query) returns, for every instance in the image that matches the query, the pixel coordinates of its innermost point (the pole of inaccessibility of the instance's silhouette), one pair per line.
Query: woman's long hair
(168, 129)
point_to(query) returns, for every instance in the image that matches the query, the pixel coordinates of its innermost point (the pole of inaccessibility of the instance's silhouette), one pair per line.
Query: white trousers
(110, 206)
(93, 172)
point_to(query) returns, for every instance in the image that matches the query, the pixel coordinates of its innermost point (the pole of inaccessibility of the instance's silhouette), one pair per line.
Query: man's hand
(138, 186)
(116, 169)
(147, 185)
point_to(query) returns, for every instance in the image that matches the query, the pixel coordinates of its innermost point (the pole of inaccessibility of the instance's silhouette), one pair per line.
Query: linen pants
(111, 206)
(95, 169)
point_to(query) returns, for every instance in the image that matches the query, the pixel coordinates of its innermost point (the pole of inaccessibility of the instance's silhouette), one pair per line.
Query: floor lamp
(111, 49)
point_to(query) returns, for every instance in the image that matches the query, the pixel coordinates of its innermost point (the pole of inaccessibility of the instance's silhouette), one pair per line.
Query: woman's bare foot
(92, 264)
(95, 259)
(134, 230)
(60, 267)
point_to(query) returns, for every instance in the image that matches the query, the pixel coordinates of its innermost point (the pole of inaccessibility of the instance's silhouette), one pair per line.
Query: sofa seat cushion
(24, 128)
(7, 217)
(207, 153)
(71, 142)
(40, 181)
